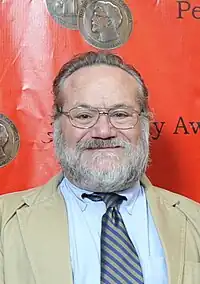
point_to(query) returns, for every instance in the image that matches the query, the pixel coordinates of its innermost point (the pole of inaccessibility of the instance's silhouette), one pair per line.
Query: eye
(120, 114)
(83, 116)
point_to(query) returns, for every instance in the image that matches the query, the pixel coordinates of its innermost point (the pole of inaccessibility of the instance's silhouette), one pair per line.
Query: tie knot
(110, 199)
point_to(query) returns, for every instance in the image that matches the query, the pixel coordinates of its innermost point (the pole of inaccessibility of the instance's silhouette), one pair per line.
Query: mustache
(100, 143)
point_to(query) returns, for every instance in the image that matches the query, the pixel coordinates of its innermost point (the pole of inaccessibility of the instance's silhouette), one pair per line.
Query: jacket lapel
(171, 225)
(44, 229)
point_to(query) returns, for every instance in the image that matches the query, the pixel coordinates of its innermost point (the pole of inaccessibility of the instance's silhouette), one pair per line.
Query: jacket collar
(40, 194)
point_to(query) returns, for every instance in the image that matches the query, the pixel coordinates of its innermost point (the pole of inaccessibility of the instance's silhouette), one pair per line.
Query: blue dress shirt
(85, 231)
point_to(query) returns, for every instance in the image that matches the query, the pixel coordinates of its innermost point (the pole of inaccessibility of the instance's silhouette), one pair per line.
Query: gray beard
(118, 178)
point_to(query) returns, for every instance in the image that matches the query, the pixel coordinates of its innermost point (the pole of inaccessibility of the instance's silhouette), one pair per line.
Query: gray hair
(98, 58)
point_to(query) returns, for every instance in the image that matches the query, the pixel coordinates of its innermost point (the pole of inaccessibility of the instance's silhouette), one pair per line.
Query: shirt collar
(131, 194)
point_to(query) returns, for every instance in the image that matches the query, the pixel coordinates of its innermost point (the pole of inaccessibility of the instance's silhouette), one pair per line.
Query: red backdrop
(164, 46)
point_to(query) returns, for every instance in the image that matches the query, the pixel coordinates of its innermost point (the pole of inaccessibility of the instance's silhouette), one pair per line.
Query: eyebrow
(82, 105)
(111, 107)
(121, 106)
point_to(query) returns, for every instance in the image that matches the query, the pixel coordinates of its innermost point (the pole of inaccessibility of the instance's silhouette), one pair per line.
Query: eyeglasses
(87, 117)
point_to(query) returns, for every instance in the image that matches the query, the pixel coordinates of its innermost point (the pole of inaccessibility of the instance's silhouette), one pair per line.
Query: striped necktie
(120, 263)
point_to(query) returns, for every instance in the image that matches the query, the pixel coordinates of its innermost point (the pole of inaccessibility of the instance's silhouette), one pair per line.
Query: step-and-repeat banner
(160, 38)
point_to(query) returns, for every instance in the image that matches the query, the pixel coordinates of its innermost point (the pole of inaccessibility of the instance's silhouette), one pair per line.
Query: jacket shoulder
(187, 205)
(10, 202)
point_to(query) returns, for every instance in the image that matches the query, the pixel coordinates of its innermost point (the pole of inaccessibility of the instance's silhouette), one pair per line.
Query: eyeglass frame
(100, 112)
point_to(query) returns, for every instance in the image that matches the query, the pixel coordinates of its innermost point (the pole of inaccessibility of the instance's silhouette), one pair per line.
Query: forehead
(100, 86)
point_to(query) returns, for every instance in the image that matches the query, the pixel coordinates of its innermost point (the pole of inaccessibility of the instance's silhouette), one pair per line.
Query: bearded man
(101, 220)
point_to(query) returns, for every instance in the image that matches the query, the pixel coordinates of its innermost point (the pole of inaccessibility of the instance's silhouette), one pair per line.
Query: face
(3, 136)
(99, 20)
(101, 158)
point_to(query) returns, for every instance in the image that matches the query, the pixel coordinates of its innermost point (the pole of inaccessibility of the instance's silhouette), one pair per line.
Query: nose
(94, 19)
(103, 129)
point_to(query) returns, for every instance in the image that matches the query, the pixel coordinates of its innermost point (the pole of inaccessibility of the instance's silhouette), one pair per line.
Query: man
(106, 20)
(3, 140)
(101, 221)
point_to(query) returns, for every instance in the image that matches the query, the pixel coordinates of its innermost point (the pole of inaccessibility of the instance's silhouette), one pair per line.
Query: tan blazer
(34, 244)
